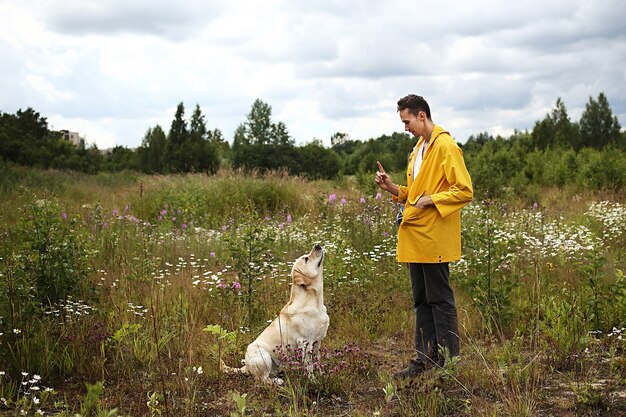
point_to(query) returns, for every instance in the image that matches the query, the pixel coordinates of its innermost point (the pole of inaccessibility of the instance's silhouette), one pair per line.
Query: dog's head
(308, 268)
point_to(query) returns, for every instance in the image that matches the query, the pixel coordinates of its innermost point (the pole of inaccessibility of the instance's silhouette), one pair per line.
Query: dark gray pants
(436, 321)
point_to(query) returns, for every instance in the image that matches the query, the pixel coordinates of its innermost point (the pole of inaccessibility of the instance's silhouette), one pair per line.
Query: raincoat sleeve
(403, 192)
(460, 191)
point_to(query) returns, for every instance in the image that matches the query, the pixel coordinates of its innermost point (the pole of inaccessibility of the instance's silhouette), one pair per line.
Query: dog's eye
(306, 259)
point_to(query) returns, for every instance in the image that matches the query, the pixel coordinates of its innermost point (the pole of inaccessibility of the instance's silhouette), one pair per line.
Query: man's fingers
(380, 167)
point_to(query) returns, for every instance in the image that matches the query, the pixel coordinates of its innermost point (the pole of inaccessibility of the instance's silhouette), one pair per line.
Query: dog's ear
(300, 279)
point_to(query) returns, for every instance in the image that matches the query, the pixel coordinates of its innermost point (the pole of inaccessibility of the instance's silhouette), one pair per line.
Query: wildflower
(36, 400)
(115, 212)
(39, 411)
(160, 218)
(184, 226)
(199, 370)
(212, 254)
(332, 198)
(173, 219)
(224, 228)
(288, 218)
(18, 331)
(64, 216)
(343, 201)
(236, 285)
(378, 196)
(221, 284)
(281, 226)
(105, 225)
(163, 212)
(385, 234)
(362, 200)
(126, 208)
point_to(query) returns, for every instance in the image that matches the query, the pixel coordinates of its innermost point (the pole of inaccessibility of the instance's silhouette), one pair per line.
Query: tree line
(589, 152)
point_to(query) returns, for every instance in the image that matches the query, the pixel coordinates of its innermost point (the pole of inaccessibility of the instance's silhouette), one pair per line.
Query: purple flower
(332, 198)
(212, 254)
(288, 218)
(115, 212)
(236, 285)
(64, 216)
(224, 228)
(536, 205)
(163, 212)
(378, 196)
(105, 225)
(343, 201)
(221, 284)
(362, 200)
(184, 226)
(281, 226)
(267, 218)
(126, 208)
(173, 219)
(134, 219)
(385, 234)
(160, 218)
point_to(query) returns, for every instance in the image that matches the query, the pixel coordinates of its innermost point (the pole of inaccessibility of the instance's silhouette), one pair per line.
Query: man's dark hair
(414, 104)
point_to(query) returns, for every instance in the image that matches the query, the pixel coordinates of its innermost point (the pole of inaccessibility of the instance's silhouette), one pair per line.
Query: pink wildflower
(332, 198)
(236, 285)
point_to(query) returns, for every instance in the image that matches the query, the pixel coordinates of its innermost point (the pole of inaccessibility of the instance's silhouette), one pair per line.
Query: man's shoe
(415, 368)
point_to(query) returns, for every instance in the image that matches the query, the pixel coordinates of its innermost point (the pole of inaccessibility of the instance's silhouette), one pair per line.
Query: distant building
(71, 136)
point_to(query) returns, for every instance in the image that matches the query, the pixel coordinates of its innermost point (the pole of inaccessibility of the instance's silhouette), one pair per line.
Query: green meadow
(121, 292)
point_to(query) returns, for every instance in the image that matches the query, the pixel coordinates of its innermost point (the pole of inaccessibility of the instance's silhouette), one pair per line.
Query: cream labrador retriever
(302, 322)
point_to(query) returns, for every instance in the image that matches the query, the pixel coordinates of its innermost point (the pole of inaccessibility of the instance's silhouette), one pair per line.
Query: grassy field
(119, 294)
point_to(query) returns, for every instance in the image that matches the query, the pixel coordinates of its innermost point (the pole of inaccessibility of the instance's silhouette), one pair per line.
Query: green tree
(120, 158)
(202, 150)
(598, 126)
(176, 141)
(261, 144)
(317, 162)
(556, 130)
(151, 153)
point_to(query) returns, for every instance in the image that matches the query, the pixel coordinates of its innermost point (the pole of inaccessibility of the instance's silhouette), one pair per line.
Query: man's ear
(300, 279)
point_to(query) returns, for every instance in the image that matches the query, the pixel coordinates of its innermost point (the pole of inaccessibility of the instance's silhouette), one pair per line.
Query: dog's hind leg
(259, 363)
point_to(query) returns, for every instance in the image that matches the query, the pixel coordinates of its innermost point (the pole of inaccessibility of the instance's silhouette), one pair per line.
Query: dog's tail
(228, 370)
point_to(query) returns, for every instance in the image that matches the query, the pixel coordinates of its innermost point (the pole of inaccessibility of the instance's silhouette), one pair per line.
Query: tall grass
(160, 278)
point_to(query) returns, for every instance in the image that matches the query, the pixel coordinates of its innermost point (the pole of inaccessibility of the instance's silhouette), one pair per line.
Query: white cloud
(112, 69)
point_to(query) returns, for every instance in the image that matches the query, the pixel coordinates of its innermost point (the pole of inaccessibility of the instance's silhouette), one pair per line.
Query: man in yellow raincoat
(429, 234)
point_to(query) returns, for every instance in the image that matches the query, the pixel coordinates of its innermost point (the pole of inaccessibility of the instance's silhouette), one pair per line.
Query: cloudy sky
(111, 69)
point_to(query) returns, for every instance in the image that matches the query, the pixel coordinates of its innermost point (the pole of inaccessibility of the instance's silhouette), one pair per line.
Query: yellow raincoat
(433, 234)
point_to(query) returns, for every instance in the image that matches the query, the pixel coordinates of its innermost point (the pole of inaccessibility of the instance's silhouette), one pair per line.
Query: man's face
(412, 123)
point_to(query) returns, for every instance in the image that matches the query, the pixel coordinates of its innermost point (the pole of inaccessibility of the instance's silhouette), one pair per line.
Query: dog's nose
(317, 247)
